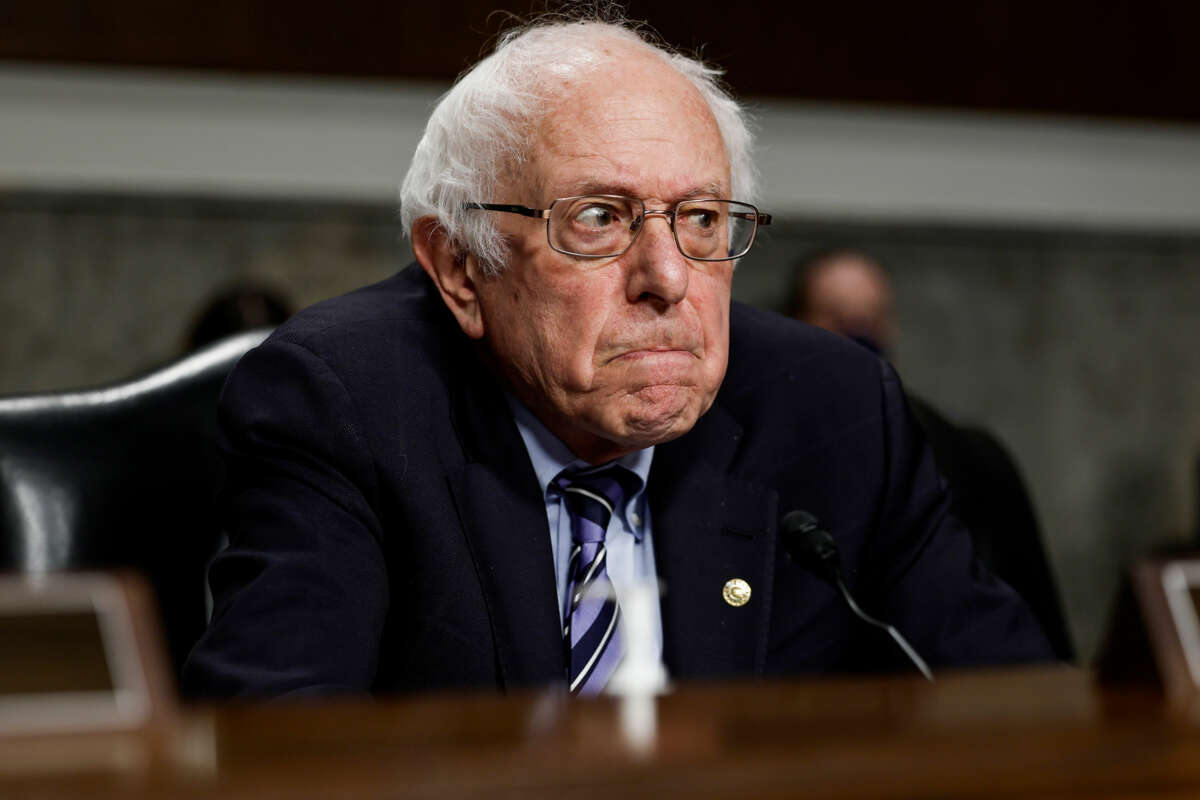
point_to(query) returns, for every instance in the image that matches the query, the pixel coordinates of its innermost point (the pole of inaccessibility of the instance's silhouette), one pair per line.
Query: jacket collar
(503, 515)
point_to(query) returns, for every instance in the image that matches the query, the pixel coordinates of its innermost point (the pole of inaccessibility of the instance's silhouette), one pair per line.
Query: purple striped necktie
(591, 630)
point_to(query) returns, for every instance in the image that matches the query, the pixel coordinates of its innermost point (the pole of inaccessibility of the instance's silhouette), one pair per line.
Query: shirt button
(636, 519)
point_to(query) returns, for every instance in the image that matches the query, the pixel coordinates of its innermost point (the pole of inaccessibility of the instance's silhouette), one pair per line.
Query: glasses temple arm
(525, 211)
(761, 219)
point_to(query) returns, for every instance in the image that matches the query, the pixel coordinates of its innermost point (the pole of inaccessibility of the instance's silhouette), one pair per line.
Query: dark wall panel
(1131, 58)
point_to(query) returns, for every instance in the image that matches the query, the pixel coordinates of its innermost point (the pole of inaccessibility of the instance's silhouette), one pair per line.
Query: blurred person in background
(848, 292)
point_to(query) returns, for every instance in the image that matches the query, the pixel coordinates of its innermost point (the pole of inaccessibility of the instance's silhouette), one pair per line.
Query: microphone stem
(895, 634)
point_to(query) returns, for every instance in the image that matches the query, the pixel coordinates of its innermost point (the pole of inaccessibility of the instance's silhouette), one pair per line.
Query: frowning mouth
(654, 353)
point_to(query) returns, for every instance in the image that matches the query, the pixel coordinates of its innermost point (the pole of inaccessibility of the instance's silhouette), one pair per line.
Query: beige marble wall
(93, 288)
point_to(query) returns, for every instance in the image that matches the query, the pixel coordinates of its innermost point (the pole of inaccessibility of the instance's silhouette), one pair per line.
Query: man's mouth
(657, 352)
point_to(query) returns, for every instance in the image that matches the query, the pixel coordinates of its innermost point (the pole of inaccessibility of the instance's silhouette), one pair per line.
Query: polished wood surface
(1024, 733)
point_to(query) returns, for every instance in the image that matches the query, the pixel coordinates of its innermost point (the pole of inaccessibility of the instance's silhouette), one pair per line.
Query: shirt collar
(550, 456)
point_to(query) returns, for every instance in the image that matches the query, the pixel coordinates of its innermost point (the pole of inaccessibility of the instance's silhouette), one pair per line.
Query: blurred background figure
(849, 293)
(238, 308)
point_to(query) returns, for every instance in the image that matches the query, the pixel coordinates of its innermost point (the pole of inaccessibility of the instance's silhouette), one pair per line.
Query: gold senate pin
(736, 592)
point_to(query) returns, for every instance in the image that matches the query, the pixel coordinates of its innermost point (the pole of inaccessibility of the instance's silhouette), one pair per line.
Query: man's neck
(550, 455)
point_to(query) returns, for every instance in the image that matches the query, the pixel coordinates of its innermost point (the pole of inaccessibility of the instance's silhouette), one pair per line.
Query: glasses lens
(593, 225)
(715, 229)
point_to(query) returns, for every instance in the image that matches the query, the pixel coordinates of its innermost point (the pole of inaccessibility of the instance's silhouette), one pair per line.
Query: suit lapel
(503, 515)
(710, 528)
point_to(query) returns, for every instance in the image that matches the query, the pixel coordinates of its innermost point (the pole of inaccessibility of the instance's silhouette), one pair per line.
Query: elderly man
(452, 478)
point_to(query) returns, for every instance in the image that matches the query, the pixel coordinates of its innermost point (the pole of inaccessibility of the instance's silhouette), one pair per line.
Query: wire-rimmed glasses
(606, 225)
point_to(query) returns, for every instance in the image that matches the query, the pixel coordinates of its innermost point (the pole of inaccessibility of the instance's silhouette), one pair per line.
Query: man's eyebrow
(592, 186)
(711, 190)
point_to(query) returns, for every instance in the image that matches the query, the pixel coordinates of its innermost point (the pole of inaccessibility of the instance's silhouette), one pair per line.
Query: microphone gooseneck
(814, 549)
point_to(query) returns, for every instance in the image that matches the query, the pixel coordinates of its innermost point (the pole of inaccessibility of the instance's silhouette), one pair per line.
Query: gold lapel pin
(736, 592)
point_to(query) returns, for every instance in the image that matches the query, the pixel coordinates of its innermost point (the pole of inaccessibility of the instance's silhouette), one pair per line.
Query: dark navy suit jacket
(388, 533)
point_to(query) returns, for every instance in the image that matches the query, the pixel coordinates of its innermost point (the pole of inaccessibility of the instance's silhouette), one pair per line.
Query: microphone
(813, 548)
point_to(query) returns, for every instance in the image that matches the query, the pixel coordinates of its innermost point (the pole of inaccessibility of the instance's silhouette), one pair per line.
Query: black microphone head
(809, 545)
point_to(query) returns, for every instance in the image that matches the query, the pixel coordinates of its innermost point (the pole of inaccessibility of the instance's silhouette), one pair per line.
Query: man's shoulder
(376, 339)
(407, 299)
(789, 383)
(362, 365)
(768, 350)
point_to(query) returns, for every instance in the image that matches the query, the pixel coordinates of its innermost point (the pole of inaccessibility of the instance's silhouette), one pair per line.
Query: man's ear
(452, 270)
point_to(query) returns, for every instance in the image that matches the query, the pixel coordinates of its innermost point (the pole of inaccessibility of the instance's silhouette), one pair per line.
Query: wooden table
(1024, 733)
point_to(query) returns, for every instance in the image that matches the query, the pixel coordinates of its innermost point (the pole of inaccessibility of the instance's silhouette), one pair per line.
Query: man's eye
(700, 219)
(596, 217)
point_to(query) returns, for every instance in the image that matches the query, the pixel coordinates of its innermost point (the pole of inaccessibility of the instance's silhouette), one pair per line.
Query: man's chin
(659, 415)
(637, 420)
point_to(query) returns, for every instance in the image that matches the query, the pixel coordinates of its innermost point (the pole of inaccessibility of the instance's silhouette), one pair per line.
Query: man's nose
(657, 270)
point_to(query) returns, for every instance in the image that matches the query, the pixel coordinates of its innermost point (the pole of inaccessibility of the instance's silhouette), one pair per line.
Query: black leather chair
(122, 476)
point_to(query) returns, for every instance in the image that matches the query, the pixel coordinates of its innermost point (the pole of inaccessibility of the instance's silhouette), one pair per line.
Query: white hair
(480, 132)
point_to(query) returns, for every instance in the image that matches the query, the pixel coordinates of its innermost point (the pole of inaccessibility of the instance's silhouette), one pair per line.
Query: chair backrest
(122, 476)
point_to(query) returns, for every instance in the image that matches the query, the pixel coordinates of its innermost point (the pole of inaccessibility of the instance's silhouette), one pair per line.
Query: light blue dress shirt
(628, 538)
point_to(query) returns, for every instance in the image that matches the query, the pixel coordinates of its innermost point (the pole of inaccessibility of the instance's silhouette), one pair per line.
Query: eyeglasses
(606, 225)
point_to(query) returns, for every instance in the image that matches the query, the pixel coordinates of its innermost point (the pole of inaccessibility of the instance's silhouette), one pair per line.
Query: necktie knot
(592, 497)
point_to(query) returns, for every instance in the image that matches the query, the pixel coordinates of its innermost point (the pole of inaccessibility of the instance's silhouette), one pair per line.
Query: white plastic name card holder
(78, 653)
